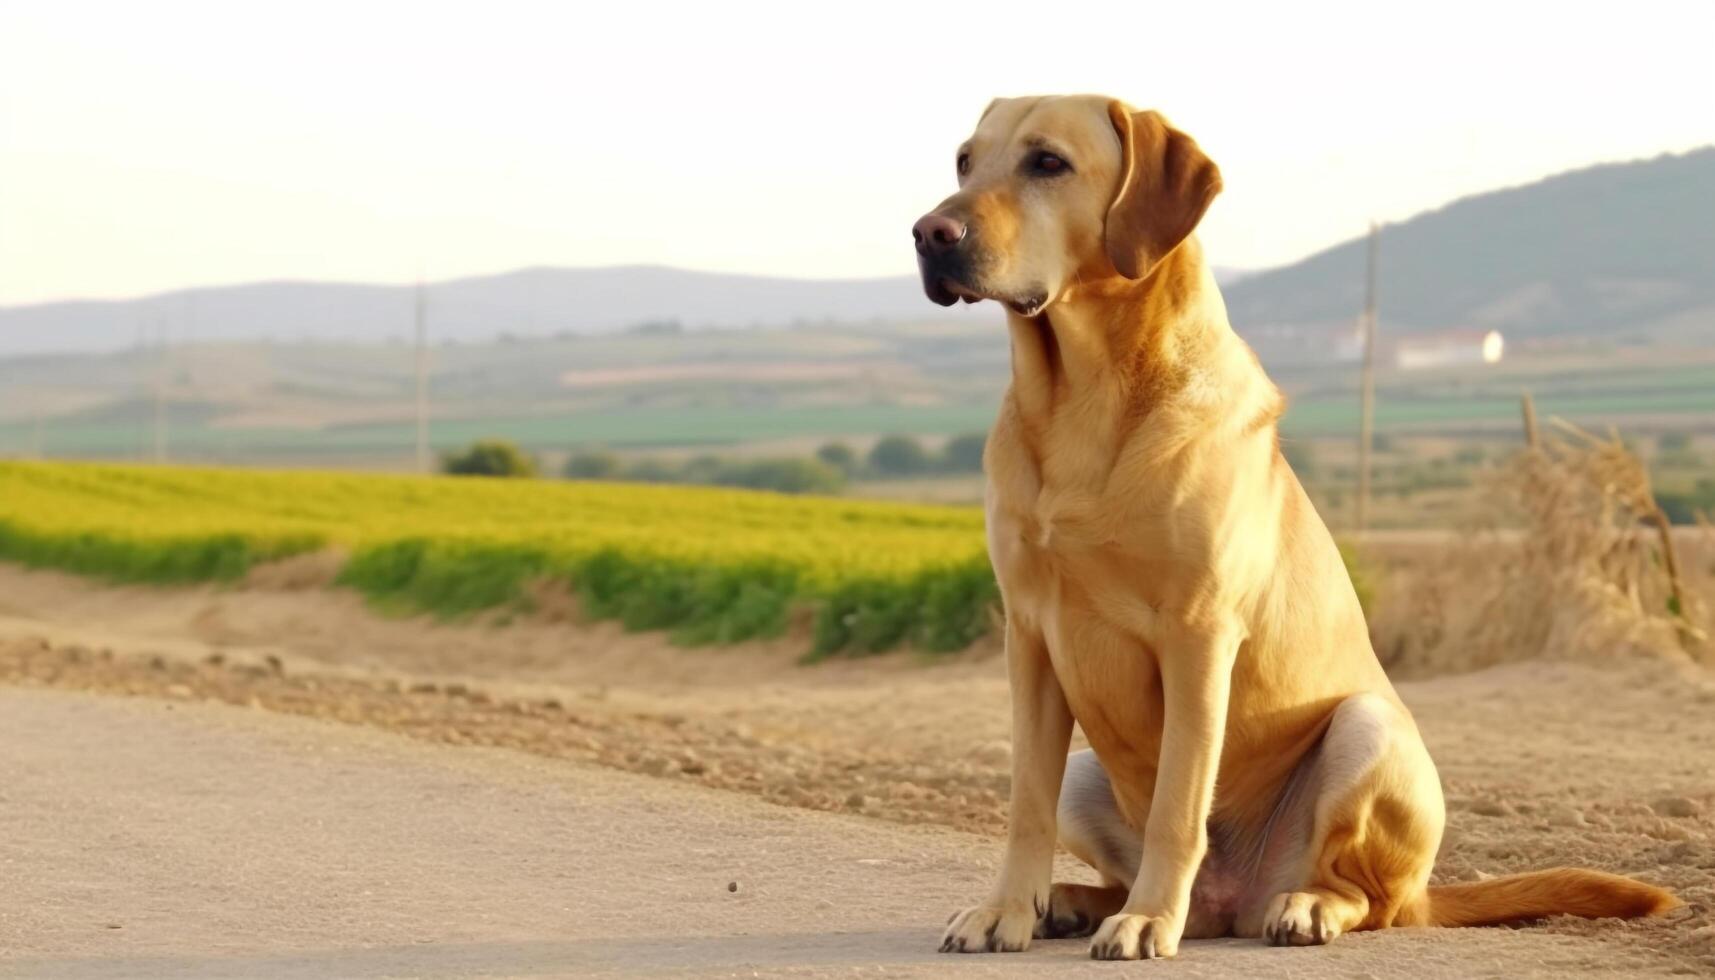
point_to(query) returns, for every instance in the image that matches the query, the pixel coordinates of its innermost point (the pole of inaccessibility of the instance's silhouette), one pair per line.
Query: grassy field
(351, 406)
(711, 565)
(629, 428)
(1312, 415)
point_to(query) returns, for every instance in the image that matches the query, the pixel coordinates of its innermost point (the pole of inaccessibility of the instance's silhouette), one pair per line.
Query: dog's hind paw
(1297, 919)
(1075, 911)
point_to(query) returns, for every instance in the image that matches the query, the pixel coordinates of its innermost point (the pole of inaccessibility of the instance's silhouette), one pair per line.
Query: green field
(636, 428)
(1417, 406)
(711, 565)
(1312, 417)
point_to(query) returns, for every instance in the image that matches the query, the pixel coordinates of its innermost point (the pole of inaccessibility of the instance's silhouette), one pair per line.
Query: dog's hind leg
(1091, 824)
(1363, 837)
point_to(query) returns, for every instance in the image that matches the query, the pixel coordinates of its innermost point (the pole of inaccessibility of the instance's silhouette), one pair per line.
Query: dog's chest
(1090, 575)
(1066, 551)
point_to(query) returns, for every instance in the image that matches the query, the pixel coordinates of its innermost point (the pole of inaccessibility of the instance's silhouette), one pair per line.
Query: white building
(1447, 348)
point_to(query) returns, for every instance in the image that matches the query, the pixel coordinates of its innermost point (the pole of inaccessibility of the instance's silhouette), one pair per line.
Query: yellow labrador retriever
(1169, 586)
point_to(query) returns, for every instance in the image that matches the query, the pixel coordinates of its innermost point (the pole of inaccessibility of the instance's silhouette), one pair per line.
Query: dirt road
(157, 839)
(223, 836)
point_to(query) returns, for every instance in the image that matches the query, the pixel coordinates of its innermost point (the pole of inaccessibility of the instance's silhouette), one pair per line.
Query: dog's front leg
(1041, 733)
(1196, 677)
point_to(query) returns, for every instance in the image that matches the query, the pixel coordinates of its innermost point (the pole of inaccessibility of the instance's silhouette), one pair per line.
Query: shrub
(652, 471)
(838, 455)
(489, 457)
(594, 466)
(781, 475)
(898, 456)
(702, 469)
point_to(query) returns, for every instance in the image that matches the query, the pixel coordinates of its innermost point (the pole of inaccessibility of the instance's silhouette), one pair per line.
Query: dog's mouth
(943, 280)
(960, 291)
(1030, 305)
(945, 290)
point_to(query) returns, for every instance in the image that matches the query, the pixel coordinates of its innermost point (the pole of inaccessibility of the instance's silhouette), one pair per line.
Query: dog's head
(1059, 190)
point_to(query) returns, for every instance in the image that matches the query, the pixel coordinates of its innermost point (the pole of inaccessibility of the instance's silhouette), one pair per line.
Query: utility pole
(1366, 420)
(161, 391)
(142, 353)
(422, 380)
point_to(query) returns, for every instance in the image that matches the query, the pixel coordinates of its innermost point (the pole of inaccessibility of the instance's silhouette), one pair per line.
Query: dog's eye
(1048, 163)
(964, 164)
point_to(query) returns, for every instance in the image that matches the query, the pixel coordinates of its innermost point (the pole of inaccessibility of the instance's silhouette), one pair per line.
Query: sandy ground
(187, 813)
(149, 839)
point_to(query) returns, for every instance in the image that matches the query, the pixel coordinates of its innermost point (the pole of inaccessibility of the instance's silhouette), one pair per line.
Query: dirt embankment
(1607, 765)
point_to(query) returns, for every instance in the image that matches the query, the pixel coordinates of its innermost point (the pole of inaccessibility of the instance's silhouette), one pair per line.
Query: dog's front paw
(990, 929)
(1129, 936)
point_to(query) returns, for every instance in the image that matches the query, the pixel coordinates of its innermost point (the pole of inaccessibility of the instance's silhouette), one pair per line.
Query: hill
(1622, 249)
(528, 302)
(538, 302)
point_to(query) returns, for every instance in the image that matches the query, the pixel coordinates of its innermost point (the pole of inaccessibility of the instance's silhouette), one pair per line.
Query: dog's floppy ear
(1166, 183)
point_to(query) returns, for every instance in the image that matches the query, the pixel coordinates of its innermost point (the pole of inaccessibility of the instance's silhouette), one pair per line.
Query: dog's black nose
(936, 233)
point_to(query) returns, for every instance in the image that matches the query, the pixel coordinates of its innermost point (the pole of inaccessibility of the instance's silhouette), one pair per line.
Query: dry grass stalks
(1578, 562)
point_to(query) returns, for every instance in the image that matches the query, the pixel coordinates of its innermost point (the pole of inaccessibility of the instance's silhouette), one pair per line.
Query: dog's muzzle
(943, 258)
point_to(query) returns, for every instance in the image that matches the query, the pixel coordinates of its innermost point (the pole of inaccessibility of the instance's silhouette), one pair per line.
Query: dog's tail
(1537, 894)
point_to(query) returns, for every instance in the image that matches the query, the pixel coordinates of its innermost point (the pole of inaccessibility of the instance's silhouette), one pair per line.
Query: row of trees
(897, 456)
(785, 475)
(828, 471)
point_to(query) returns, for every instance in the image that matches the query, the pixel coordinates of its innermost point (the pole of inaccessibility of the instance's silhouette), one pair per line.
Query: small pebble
(732, 886)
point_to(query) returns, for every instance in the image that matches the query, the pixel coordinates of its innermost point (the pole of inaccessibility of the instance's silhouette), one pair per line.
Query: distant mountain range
(1626, 250)
(528, 302)
(525, 303)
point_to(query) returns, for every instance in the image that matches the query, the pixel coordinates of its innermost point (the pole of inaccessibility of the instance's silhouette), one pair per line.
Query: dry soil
(223, 838)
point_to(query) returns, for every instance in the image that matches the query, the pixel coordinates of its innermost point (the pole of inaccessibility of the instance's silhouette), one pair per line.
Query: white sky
(148, 146)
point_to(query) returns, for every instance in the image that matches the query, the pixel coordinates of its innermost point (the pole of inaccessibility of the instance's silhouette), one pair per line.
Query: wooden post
(422, 380)
(161, 367)
(143, 388)
(1528, 406)
(1366, 420)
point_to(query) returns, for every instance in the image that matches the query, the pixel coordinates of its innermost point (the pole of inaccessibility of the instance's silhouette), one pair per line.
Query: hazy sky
(148, 146)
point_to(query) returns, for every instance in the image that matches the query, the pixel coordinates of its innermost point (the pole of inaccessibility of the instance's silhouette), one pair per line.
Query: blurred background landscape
(280, 285)
(1593, 289)
(213, 256)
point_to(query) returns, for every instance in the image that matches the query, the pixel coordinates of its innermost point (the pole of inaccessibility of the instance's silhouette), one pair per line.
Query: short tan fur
(1169, 586)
